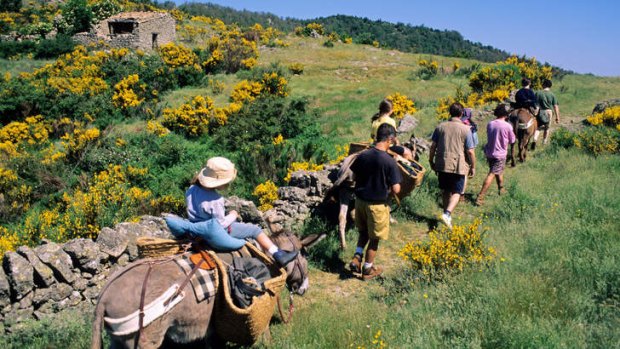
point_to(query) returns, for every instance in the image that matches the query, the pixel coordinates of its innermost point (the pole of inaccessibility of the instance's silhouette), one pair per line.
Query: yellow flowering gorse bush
(267, 194)
(609, 117)
(124, 95)
(301, 166)
(448, 250)
(402, 105)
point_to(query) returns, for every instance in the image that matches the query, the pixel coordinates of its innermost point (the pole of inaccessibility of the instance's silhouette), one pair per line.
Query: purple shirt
(499, 136)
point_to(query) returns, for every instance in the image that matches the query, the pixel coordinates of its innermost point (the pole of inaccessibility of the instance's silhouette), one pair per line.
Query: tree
(78, 17)
(10, 5)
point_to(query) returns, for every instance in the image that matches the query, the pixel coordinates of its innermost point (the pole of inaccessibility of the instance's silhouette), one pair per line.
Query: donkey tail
(96, 340)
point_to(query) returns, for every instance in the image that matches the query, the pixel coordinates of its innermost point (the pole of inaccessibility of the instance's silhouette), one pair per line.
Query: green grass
(557, 287)
(14, 67)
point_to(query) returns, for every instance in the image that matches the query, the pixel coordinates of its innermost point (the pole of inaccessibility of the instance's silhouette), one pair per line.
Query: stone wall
(141, 38)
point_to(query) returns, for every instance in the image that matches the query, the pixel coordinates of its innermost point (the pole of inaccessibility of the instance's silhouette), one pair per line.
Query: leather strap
(185, 282)
(142, 296)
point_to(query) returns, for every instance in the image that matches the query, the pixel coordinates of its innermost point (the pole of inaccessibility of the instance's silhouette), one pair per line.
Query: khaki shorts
(373, 218)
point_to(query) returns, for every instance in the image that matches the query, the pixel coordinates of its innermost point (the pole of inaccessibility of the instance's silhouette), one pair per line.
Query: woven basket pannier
(152, 247)
(411, 171)
(244, 326)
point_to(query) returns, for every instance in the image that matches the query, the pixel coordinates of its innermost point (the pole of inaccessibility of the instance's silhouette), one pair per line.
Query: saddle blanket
(203, 281)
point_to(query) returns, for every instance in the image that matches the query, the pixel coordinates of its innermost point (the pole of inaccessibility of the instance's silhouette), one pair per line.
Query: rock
(43, 275)
(91, 292)
(300, 179)
(155, 227)
(16, 315)
(247, 210)
(44, 312)
(85, 253)
(60, 262)
(5, 290)
(56, 293)
(319, 183)
(148, 226)
(123, 260)
(292, 194)
(26, 301)
(112, 242)
(407, 124)
(20, 274)
(74, 299)
(80, 284)
(600, 107)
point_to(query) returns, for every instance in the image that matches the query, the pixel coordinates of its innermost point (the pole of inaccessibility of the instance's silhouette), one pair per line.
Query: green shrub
(296, 68)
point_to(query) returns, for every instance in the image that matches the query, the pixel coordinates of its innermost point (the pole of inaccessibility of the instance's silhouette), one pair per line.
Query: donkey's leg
(512, 155)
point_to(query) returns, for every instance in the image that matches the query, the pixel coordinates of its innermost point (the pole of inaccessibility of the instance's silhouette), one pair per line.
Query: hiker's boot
(356, 263)
(533, 147)
(285, 257)
(480, 200)
(372, 272)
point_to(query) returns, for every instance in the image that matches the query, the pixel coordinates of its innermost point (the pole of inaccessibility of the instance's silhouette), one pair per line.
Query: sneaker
(372, 272)
(446, 219)
(285, 257)
(356, 264)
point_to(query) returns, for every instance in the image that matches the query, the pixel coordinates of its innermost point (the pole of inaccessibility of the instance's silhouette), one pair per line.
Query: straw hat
(219, 171)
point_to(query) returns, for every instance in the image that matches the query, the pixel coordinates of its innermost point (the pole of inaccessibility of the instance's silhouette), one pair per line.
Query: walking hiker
(376, 177)
(548, 105)
(205, 203)
(384, 116)
(452, 157)
(467, 120)
(499, 136)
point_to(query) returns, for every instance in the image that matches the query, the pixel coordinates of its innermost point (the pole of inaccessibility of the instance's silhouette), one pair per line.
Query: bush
(448, 250)
(597, 140)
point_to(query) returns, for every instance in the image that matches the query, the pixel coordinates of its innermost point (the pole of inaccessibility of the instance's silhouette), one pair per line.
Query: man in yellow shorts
(376, 177)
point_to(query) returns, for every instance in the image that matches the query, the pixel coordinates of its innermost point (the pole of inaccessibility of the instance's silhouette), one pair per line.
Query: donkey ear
(311, 240)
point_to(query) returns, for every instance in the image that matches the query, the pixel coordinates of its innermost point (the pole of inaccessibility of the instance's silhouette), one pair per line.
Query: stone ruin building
(136, 30)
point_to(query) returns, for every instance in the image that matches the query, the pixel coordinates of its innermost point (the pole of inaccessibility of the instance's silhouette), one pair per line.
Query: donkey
(188, 321)
(524, 125)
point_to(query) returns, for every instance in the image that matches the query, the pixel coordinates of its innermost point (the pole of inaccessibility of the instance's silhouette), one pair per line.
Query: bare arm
(431, 155)
(556, 108)
(472, 161)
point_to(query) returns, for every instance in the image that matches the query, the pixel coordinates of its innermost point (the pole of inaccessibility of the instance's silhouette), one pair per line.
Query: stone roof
(139, 17)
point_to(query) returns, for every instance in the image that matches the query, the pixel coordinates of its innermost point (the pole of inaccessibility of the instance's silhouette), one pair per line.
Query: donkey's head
(297, 271)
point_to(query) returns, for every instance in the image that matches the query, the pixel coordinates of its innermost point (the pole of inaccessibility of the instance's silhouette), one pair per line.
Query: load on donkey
(406, 156)
(183, 291)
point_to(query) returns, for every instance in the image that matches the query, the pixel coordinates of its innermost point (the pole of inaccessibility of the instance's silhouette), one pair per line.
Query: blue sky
(583, 36)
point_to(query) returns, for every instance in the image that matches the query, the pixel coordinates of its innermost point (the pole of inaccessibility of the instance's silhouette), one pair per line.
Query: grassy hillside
(555, 281)
(400, 36)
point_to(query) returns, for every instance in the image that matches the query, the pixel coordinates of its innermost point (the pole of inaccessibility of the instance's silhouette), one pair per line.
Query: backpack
(247, 276)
